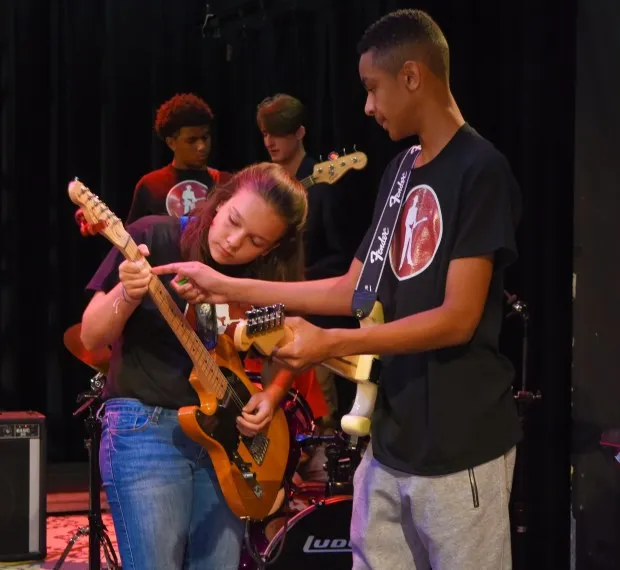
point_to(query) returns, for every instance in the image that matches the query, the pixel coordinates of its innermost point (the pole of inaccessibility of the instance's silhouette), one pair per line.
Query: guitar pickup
(247, 473)
(257, 446)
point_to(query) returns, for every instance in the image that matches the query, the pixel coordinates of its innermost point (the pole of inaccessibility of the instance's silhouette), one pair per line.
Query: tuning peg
(344, 151)
(320, 158)
(354, 148)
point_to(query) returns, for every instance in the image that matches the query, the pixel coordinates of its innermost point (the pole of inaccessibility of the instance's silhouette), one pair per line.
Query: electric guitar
(249, 469)
(331, 171)
(362, 369)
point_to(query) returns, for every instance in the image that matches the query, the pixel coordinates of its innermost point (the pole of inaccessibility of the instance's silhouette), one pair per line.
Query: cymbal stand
(96, 531)
(523, 397)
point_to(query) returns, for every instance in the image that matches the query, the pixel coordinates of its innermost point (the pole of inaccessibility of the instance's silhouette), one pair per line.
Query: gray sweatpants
(450, 522)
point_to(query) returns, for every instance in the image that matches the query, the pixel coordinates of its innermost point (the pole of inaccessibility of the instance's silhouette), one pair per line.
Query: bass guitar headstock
(334, 169)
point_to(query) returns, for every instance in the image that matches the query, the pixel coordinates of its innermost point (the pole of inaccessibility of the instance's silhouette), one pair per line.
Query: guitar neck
(308, 181)
(211, 377)
(355, 368)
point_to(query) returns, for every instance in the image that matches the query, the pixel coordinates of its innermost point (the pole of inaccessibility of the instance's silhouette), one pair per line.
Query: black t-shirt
(172, 191)
(325, 248)
(446, 410)
(148, 362)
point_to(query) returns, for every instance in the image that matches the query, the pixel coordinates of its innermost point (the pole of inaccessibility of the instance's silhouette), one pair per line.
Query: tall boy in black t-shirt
(184, 123)
(434, 489)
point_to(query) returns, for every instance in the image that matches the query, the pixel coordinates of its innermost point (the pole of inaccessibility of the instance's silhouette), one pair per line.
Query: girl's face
(244, 227)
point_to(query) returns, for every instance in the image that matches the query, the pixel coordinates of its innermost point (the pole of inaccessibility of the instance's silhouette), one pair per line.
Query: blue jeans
(168, 509)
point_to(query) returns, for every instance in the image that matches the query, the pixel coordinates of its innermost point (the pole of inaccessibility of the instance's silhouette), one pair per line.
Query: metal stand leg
(96, 531)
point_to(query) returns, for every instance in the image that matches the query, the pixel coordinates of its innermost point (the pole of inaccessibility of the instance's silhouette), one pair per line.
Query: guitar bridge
(257, 446)
(248, 475)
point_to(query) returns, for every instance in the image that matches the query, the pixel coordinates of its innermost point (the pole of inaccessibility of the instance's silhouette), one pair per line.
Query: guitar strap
(366, 290)
(203, 317)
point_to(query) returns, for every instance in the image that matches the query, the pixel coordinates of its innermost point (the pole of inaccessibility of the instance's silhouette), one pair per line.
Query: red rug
(60, 529)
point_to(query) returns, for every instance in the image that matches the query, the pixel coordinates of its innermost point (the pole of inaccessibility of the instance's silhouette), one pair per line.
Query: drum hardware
(96, 530)
(523, 398)
(518, 308)
(343, 455)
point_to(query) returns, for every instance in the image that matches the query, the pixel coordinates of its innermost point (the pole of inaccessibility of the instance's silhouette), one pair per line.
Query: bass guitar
(363, 369)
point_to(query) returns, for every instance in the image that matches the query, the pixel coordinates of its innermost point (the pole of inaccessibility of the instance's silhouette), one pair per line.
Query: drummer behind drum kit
(311, 528)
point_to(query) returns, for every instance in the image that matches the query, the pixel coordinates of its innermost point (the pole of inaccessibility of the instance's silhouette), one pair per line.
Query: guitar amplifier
(22, 486)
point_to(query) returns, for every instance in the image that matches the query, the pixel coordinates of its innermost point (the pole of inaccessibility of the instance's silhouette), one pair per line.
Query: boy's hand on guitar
(256, 414)
(195, 279)
(308, 347)
(135, 276)
(190, 293)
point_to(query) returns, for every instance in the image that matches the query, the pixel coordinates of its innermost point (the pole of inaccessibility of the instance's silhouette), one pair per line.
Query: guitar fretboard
(211, 377)
(307, 182)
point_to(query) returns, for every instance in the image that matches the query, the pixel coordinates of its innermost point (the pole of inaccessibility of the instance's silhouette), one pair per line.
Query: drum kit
(311, 527)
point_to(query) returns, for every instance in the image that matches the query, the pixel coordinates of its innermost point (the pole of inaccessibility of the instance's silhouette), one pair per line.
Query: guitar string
(196, 347)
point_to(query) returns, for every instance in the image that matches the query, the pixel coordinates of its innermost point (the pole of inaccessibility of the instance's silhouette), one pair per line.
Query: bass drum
(317, 537)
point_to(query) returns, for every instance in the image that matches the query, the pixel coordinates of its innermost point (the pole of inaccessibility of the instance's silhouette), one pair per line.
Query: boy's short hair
(280, 115)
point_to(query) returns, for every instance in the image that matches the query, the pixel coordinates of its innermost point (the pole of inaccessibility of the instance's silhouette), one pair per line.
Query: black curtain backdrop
(596, 390)
(81, 80)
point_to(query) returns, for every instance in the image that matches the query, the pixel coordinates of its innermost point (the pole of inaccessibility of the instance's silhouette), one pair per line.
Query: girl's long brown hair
(283, 193)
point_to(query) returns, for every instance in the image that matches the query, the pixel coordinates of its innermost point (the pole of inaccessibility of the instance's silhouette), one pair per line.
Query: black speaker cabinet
(22, 486)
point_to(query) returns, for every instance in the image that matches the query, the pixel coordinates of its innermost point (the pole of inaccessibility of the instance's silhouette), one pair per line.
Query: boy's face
(390, 99)
(191, 146)
(282, 148)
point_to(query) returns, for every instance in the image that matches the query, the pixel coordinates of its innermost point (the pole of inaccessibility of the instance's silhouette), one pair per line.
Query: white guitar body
(364, 371)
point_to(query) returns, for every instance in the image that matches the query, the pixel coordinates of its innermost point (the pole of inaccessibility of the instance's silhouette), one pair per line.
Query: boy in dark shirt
(184, 123)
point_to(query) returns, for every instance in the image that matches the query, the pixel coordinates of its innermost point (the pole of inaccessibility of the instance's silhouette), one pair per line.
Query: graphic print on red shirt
(183, 197)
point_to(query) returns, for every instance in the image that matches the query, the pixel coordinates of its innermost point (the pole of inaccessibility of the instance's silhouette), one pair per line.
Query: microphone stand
(523, 398)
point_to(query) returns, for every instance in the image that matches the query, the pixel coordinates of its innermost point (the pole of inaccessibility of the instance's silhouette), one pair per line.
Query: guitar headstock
(98, 215)
(263, 327)
(333, 170)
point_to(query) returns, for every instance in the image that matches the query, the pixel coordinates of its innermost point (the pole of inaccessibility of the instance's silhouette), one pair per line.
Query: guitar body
(364, 370)
(249, 470)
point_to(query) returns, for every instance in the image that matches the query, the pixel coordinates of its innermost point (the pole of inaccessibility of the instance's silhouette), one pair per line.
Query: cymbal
(98, 359)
